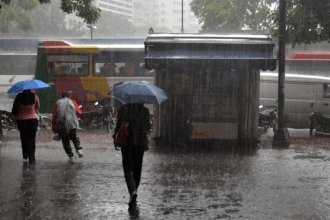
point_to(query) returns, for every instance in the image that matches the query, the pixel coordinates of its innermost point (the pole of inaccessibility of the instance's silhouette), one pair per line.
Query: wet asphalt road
(264, 183)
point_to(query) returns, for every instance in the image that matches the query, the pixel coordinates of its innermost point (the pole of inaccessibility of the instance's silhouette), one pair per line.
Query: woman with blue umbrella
(25, 105)
(134, 94)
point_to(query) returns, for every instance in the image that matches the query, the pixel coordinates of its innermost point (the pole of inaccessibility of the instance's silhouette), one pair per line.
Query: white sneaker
(71, 160)
(79, 152)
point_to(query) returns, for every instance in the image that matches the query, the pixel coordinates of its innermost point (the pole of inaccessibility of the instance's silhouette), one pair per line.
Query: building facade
(153, 13)
(122, 7)
(165, 13)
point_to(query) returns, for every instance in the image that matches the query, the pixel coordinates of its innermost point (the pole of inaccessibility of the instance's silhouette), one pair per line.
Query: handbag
(122, 135)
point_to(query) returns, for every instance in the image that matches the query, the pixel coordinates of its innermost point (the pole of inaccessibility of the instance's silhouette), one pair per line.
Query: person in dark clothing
(132, 155)
(24, 109)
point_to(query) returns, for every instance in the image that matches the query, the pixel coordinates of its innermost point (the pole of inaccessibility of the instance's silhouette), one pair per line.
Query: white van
(304, 94)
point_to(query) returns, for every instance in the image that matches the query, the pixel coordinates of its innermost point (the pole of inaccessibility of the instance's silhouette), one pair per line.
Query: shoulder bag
(62, 127)
(122, 135)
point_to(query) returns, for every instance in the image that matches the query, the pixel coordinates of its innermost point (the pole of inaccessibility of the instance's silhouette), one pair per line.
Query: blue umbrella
(138, 92)
(33, 84)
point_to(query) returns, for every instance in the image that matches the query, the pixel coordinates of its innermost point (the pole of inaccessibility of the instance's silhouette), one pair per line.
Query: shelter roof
(172, 49)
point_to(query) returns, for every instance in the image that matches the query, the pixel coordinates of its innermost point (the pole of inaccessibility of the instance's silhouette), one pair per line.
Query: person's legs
(1, 132)
(32, 126)
(67, 146)
(22, 129)
(137, 157)
(127, 166)
(76, 140)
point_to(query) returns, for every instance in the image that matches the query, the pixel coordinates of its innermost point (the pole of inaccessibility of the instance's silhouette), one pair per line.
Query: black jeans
(66, 142)
(132, 163)
(28, 131)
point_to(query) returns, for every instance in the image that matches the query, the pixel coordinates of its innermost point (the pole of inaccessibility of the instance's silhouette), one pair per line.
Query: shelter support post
(281, 138)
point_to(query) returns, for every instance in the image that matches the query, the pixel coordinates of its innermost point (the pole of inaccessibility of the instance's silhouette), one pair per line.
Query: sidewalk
(268, 184)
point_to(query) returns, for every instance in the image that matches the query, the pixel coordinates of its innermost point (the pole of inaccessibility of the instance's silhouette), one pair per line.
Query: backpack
(62, 127)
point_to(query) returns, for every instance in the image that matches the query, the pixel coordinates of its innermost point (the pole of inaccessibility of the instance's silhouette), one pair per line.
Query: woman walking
(132, 154)
(24, 109)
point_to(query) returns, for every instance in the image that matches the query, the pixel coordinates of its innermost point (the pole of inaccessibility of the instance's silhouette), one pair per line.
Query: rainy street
(263, 183)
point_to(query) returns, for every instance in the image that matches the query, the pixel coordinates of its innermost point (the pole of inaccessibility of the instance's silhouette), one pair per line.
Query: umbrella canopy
(33, 84)
(138, 92)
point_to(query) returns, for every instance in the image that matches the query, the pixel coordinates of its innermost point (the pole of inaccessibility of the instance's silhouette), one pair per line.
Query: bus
(88, 71)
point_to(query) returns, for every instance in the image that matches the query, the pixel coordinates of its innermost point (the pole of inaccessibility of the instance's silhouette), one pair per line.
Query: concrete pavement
(264, 183)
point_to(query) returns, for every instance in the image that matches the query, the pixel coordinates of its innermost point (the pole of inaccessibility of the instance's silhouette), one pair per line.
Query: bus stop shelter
(212, 82)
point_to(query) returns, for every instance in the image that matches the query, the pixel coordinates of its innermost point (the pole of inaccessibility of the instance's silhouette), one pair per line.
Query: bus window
(67, 65)
(326, 91)
(133, 69)
(105, 69)
(126, 69)
(119, 63)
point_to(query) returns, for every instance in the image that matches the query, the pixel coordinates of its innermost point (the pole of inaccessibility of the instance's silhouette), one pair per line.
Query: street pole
(91, 34)
(281, 138)
(91, 27)
(182, 16)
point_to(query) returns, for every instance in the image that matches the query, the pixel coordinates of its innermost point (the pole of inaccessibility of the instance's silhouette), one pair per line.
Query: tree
(16, 11)
(113, 25)
(307, 21)
(48, 22)
(231, 15)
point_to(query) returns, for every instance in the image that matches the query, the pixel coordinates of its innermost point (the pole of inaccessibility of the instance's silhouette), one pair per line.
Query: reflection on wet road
(264, 184)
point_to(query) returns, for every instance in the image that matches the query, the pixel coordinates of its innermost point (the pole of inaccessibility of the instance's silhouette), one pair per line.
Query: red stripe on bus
(72, 84)
(48, 43)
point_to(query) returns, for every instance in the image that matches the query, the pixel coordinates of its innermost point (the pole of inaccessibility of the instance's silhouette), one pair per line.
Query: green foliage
(47, 22)
(83, 8)
(8, 15)
(27, 4)
(17, 11)
(306, 22)
(14, 12)
(231, 15)
(26, 23)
